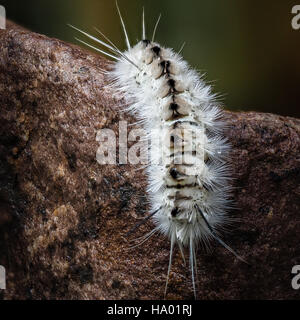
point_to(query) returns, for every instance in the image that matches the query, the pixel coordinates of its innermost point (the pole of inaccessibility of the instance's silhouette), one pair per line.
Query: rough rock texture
(63, 217)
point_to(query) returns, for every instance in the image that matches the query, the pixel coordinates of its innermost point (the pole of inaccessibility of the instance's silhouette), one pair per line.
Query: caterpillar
(188, 174)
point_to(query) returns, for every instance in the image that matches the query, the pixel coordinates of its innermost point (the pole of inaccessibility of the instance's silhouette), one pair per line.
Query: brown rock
(63, 217)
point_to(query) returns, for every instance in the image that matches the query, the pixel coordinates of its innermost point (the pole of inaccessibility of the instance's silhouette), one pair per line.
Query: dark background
(248, 49)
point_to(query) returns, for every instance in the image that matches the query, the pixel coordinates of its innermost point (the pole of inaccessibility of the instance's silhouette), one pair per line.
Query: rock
(64, 217)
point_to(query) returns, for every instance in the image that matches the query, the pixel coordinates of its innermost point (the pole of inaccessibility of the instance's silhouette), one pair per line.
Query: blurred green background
(248, 49)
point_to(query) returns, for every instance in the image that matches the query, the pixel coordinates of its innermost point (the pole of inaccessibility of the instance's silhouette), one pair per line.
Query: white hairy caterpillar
(188, 176)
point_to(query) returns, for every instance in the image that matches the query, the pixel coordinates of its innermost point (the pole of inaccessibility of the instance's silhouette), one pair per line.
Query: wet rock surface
(63, 216)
